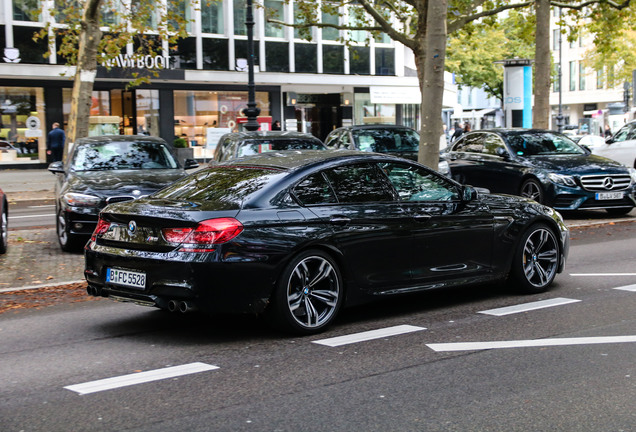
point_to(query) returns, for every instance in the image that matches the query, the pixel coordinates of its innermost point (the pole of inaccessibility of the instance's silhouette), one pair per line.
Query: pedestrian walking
(458, 131)
(55, 143)
(608, 131)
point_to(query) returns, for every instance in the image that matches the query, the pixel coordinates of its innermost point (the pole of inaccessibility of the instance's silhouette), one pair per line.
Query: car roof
(119, 138)
(294, 159)
(269, 134)
(375, 126)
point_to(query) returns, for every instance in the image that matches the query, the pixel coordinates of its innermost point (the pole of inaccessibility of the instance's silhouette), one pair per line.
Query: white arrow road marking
(529, 306)
(368, 335)
(631, 288)
(139, 378)
(473, 346)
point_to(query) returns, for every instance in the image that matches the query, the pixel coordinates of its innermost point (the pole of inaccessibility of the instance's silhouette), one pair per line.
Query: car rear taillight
(205, 235)
(101, 228)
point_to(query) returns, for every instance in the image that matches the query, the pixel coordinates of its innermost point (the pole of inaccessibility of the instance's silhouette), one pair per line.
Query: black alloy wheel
(4, 230)
(68, 242)
(532, 189)
(536, 260)
(309, 293)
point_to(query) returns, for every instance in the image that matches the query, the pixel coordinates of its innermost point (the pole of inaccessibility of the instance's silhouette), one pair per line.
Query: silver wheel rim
(4, 224)
(532, 190)
(61, 230)
(540, 258)
(313, 291)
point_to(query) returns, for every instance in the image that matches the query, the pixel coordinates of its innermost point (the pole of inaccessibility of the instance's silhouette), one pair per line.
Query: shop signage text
(138, 62)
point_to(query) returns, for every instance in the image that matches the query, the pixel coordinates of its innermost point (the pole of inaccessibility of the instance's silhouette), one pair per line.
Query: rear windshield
(122, 155)
(386, 140)
(224, 187)
(251, 147)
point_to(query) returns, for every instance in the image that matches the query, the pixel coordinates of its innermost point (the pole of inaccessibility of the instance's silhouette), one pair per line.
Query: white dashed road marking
(602, 274)
(473, 346)
(529, 306)
(368, 335)
(139, 378)
(631, 288)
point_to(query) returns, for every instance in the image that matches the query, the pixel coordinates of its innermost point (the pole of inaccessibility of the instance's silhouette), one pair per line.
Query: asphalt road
(567, 367)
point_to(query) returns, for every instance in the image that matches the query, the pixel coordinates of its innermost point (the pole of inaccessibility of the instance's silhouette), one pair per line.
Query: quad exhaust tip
(179, 306)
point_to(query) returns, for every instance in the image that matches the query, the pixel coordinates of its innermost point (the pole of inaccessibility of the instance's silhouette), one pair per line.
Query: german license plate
(609, 196)
(126, 278)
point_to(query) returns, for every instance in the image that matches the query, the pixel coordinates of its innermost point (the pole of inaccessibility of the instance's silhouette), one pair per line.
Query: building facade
(201, 90)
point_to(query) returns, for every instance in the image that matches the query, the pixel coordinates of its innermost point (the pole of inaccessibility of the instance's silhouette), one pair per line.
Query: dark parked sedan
(299, 235)
(240, 144)
(106, 169)
(4, 222)
(545, 166)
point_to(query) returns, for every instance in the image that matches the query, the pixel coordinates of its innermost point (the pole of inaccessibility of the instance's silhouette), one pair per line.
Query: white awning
(474, 113)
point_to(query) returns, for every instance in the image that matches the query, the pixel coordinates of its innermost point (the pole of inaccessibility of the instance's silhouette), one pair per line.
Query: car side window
(473, 143)
(414, 183)
(632, 132)
(332, 139)
(359, 183)
(492, 143)
(314, 190)
(622, 134)
(344, 142)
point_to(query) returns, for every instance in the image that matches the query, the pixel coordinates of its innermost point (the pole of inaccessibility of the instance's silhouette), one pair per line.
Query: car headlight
(632, 174)
(80, 200)
(562, 179)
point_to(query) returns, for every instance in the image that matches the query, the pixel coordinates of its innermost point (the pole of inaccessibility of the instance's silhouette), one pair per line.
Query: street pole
(559, 117)
(252, 111)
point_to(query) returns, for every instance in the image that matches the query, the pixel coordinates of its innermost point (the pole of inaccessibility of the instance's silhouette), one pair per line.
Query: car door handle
(421, 216)
(339, 220)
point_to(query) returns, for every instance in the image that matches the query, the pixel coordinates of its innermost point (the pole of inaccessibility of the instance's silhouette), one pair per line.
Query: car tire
(4, 230)
(532, 189)
(68, 242)
(308, 295)
(618, 211)
(536, 260)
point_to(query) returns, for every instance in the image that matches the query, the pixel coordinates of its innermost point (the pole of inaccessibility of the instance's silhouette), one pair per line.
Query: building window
(384, 61)
(215, 54)
(572, 76)
(212, 17)
(555, 85)
(274, 9)
(301, 33)
(333, 59)
(240, 50)
(599, 79)
(581, 76)
(239, 17)
(356, 15)
(184, 55)
(329, 33)
(29, 50)
(306, 58)
(277, 56)
(556, 34)
(26, 10)
(359, 57)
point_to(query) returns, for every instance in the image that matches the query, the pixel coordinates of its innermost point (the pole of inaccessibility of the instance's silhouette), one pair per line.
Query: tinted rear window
(261, 146)
(225, 187)
(386, 140)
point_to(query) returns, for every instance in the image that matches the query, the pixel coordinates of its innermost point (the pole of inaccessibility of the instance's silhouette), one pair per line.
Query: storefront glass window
(366, 112)
(147, 104)
(23, 120)
(212, 17)
(201, 117)
(101, 120)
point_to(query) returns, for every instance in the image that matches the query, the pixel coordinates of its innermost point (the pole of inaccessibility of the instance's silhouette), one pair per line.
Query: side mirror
(609, 140)
(56, 167)
(189, 164)
(469, 193)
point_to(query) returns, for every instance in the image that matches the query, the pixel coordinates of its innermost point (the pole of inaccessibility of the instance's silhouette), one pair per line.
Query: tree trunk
(81, 99)
(541, 110)
(431, 61)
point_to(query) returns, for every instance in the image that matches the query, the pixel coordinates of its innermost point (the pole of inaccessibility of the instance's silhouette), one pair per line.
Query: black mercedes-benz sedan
(297, 235)
(543, 165)
(104, 169)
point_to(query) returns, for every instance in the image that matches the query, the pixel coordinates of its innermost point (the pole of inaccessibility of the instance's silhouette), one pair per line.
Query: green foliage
(180, 143)
(472, 52)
